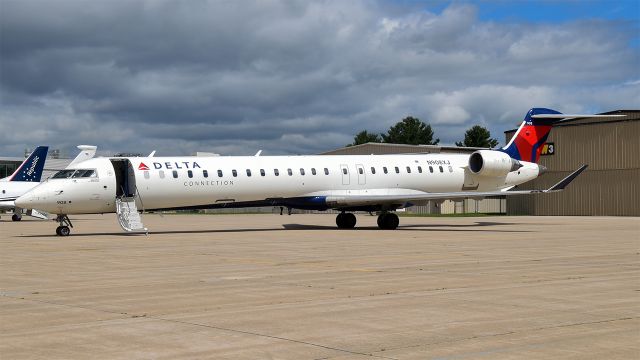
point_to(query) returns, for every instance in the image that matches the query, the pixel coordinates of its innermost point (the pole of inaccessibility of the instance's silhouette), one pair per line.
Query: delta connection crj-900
(347, 183)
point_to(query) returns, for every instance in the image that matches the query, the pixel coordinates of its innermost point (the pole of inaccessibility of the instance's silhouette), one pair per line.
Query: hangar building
(609, 187)
(611, 184)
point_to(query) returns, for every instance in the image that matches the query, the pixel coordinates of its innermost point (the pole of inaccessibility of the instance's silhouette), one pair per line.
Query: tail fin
(527, 142)
(31, 168)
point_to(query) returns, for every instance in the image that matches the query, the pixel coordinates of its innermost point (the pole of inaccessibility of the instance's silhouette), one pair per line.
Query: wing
(400, 200)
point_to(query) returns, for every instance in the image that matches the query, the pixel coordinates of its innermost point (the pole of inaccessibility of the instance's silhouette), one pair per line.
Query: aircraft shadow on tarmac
(477, 226)
(424, 227)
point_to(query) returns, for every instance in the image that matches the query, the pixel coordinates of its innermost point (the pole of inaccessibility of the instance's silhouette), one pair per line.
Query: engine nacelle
(492, 163)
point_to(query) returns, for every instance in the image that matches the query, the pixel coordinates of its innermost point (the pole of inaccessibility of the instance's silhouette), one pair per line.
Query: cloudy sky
(300, 77)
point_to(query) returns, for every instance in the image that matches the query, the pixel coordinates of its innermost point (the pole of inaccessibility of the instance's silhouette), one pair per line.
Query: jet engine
(492, 163)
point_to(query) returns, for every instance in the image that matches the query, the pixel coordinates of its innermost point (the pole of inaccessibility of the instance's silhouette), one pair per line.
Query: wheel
(63, 230)
(346, 221)
(391, 221)
(388, 221)
(349, 221)
(16, 217)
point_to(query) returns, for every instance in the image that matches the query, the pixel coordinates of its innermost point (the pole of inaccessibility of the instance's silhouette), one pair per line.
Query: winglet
(566, 181)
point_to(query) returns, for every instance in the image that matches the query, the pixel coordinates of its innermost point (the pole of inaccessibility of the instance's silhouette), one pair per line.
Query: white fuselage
(203, 181)
(11, 190)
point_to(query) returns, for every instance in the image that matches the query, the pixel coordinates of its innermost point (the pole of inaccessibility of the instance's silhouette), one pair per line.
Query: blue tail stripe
(31, 169)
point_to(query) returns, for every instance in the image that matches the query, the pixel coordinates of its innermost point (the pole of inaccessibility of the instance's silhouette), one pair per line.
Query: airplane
(347, 183)
(28, 176)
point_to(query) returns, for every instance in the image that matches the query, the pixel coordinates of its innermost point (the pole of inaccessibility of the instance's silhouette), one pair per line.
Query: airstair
(128, 215)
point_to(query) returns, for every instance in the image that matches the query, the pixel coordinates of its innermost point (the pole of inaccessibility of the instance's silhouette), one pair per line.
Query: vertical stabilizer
(31, 168)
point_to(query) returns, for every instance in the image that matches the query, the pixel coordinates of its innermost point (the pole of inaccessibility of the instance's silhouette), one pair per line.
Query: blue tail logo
(31, 168)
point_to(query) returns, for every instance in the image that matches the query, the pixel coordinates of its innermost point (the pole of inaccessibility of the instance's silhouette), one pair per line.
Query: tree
(410, 131)
(364, 137)
(478, 136)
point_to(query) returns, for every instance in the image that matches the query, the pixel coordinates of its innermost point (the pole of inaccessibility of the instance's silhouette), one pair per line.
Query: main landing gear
(345, 220)
(65, 223)
(386, 221)
(16, 217)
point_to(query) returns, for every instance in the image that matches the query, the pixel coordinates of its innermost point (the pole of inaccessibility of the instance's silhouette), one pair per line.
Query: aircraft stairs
(128, 215)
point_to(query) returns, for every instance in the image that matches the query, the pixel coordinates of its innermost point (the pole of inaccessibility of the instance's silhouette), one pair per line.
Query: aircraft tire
(350, 220)
(16, 217)
(63, 231)
(346, 221)
(388, 221)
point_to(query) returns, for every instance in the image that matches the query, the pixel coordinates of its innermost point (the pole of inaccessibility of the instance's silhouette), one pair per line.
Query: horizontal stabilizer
(571, 116)
(566, 181)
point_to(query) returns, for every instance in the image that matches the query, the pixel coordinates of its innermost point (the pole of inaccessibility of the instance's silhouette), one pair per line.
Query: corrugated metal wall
(611, 184)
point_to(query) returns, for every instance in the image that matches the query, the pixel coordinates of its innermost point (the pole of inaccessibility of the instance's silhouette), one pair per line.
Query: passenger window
(344, 171)
(420, 169)
(290, 172)
(276, 172)
(450, 169)
(234, 173)
(408, 169)
(302, 171)
(189, 174)
(248, 173)
(326, 171)
(219, 173)
(146, 175)
(441, 169)
(373, 170)
(431, 169)
(397, 170)
(205, 173)
(384, 170)
(262, 173)
(175, 174)
(313, 171)
(360, 171)
(161, 173)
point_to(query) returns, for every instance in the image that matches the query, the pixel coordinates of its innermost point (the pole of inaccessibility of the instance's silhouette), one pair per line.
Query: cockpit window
(84, 174)
(64, 174)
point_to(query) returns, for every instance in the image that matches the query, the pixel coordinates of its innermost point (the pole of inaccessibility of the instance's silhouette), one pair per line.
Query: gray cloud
(287, 76)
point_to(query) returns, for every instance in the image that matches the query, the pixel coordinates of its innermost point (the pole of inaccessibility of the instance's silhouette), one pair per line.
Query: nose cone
(23, 201)
(33, 199)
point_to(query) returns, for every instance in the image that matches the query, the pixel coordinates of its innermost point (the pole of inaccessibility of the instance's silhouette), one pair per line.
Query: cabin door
(125, 178)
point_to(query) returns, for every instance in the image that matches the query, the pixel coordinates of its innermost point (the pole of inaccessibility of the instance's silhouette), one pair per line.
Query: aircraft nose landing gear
(388, 221)
(65, 223)
(345, 220)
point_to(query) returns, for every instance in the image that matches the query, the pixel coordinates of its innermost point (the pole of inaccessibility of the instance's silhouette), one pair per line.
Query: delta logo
(170, 165)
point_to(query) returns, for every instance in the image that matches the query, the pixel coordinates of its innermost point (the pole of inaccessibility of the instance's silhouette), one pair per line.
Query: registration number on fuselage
(438, 162)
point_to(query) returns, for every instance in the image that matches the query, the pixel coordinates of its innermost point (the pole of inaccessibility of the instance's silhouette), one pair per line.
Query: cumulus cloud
(288, 77)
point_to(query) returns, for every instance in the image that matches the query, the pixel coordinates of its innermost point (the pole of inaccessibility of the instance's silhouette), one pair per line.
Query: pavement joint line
(511, 333)
(145, 316)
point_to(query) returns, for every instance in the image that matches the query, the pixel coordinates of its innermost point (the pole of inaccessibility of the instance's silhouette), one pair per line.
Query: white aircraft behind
(28, 176)
(373, 183)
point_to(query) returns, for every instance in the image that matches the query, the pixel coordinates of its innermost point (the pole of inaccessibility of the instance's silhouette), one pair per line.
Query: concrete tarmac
(295, 287)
